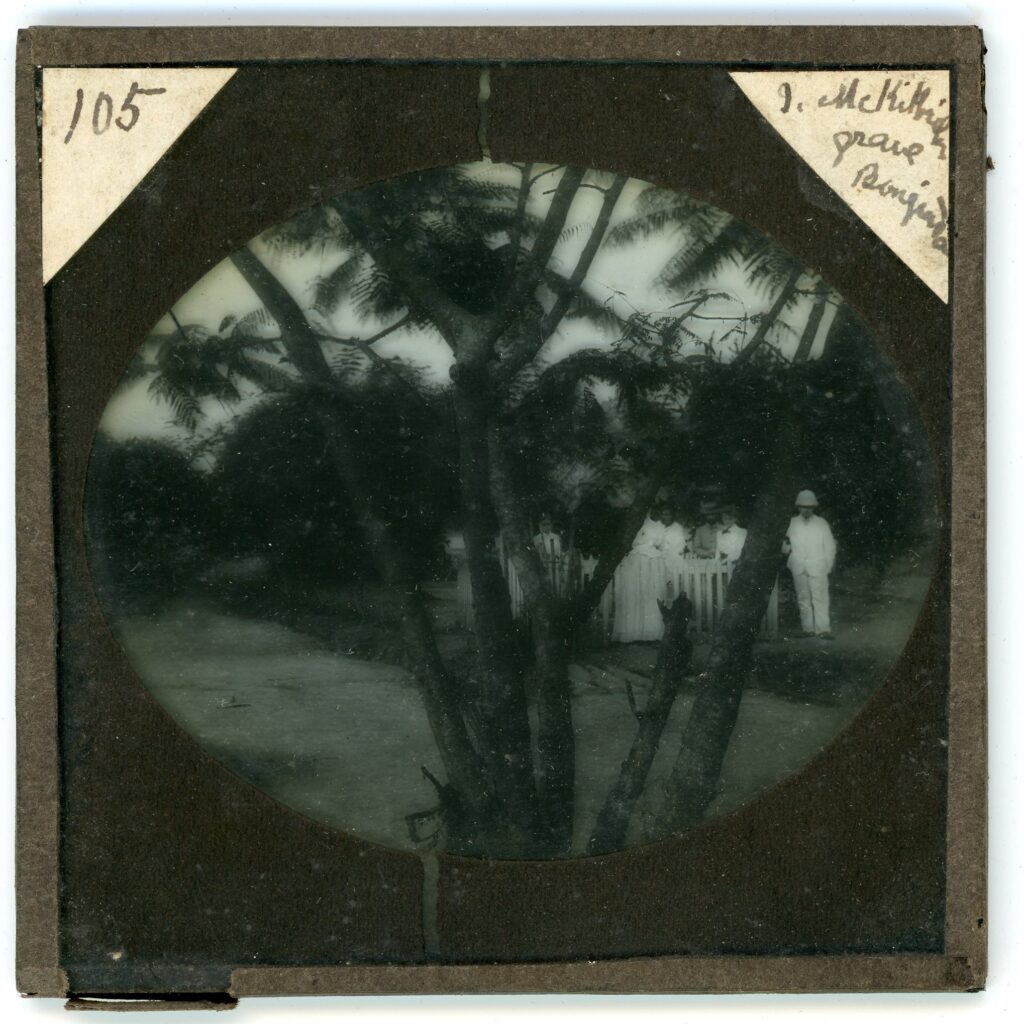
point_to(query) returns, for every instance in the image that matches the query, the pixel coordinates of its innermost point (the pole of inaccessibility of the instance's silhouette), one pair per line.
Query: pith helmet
(806, 498)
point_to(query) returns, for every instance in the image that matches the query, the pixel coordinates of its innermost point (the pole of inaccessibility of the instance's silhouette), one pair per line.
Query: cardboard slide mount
(116, 804)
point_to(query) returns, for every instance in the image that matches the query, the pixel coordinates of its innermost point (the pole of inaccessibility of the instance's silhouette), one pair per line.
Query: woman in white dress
(675, 546)
(639, 582)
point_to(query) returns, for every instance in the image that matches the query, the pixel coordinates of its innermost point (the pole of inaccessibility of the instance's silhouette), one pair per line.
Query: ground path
(343, 739)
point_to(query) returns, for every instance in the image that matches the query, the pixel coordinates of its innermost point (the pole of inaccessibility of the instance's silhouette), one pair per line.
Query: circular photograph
(511, 510)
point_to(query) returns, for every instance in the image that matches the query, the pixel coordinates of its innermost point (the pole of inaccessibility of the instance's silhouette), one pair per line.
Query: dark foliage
(146, 516)
(279, 494)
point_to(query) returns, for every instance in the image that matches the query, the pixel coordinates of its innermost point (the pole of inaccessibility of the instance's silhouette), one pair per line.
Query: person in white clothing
(547, 542)
(675, 545)
(676, 541)
(639, 584)
(549, 547)
(730, 538)
(702, 544)
(812, 553)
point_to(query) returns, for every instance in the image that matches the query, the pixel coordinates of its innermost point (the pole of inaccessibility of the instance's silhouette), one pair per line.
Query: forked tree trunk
(499, 710)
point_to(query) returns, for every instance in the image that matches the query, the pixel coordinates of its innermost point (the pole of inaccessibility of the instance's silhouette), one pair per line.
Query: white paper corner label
(880, 140)
(103, 130)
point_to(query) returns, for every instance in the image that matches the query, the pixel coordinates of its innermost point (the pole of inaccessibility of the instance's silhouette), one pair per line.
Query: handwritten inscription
(849, 96)
(914, 123)
(933, 213)
(102, 130)
(880, 139)
(103, 110)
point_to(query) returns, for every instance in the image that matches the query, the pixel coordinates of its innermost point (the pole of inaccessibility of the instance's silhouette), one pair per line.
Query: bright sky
(622, 275)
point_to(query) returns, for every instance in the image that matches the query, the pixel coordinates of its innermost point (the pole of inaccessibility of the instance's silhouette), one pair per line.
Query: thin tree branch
(631, 700)
(551, 320)
(299, 339)
(177, 323)
(365, 345)
(550, 170)
(781, 301)
(531, 273)
(380, 335)
(814, 318)
(516, 237)
(554, 316)
(449, 318)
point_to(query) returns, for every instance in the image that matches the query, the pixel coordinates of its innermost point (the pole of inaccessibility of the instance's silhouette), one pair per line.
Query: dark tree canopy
(147, 516)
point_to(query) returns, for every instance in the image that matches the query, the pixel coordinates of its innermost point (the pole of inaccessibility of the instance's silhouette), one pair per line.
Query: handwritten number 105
(103, 110)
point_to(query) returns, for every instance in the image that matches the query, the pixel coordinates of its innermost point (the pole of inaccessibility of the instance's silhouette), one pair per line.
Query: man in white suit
(812, 553)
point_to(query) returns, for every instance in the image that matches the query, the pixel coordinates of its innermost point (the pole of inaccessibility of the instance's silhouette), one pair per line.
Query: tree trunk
(474, 819)
(556, 735)
(810, 333)
(556, 738)
(782, 300)
(462, 763)
(673, 659)
(500, 712)
(694, 781)
(674, 454)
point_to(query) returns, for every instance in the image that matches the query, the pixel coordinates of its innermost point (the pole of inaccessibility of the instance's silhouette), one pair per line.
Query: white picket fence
(703, 580)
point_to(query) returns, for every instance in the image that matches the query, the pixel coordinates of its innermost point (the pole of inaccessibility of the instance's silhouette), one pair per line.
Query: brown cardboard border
(967, 821)
(963, 964)
(37, 800)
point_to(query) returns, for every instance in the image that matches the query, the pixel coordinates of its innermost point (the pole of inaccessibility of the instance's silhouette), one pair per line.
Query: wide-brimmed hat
(708, 507)
(806, 499)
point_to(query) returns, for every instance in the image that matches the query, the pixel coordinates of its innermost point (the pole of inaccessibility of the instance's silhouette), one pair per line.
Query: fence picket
(704, 582)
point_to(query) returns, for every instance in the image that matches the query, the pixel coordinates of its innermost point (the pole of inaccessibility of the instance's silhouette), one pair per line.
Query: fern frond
(184, 405)
(264, 374)
(705, 254)
(330, 289)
